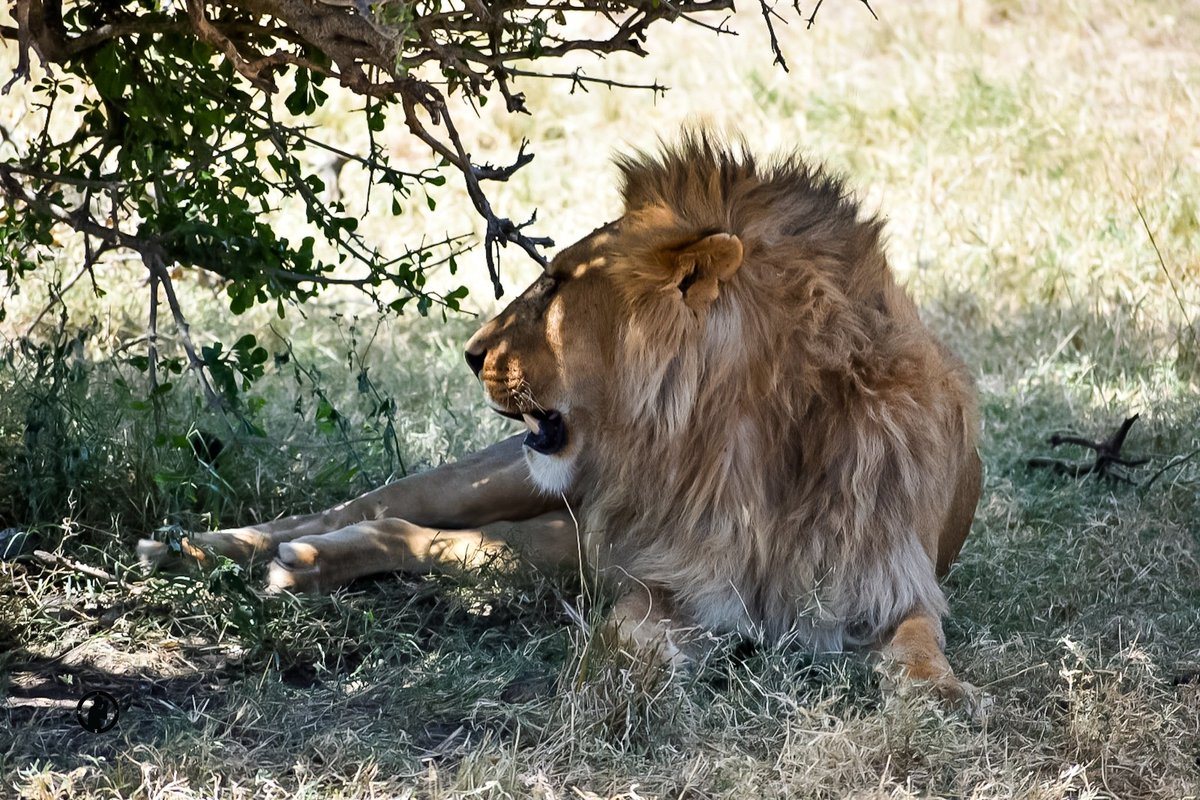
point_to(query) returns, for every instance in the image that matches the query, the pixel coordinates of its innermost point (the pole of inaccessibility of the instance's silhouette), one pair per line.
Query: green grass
(1014, 147)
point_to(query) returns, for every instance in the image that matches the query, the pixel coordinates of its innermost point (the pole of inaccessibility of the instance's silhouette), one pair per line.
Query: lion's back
(826, 428)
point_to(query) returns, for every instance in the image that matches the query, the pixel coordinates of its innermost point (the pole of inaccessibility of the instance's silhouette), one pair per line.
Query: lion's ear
(702, 266)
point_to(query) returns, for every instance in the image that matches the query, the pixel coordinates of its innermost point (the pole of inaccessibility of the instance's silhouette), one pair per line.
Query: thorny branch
(394, 49)
(155, 264)
(412, 53)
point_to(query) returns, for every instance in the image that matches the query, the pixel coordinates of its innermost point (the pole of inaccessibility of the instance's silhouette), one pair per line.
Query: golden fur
(758, 422)
(740, 407)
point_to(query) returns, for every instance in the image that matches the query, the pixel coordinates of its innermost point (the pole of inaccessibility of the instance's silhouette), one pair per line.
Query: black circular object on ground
(101, 715)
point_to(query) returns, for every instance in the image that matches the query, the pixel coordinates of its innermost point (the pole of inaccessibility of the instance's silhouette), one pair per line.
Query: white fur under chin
(551, 474)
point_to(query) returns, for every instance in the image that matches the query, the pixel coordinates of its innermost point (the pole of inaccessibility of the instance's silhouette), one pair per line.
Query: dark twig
(721, 28)
(152, 333)
(812, 18)
(580, 80)
(487, 172)
(768, 11)
(500, 230)
(1175, 462)
(155, 264)
(1108, 455)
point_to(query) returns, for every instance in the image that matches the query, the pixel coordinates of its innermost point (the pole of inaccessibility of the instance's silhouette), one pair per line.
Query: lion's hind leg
(961, 511)
(916, 649)
(326, 561)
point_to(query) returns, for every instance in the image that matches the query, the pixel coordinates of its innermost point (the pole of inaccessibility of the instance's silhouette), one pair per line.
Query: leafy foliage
(180, 151)
(172, 134)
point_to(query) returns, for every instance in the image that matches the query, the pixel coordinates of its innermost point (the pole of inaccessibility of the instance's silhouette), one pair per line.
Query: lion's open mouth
(547, 431)
(547, 428)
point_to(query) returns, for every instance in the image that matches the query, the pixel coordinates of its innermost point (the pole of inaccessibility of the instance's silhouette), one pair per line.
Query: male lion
(750, 424)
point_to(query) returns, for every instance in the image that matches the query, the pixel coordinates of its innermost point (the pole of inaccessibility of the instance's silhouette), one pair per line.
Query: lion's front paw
(296, 568)
(950, 690)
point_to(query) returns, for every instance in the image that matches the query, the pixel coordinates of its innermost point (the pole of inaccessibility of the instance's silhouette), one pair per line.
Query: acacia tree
(175, 106)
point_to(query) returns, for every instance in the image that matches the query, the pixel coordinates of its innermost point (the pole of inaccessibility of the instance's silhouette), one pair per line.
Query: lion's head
(635, 289)
(730, 382)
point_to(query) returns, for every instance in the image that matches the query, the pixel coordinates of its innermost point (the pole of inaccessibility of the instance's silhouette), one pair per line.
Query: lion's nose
(475, 360)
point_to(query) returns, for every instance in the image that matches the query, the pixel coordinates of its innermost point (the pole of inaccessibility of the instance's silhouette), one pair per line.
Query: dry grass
(1014, 146)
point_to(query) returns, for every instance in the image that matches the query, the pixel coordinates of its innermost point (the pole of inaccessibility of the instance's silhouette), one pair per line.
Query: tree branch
(154, 263)
(394, 50)
(768, 11)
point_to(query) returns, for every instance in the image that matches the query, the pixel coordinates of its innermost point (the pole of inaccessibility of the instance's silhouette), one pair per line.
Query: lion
(735, 417)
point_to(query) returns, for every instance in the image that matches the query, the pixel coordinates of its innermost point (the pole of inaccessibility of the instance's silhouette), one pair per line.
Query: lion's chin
(552, 475)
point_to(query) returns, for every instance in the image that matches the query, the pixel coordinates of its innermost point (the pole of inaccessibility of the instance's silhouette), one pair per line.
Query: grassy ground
(1039, 164)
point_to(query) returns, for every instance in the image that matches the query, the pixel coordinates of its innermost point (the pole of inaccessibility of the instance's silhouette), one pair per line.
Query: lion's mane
(782, 460)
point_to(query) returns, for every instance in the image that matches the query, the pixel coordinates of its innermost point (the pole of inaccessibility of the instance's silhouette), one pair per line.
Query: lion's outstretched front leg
(322, 562)
(484, 487)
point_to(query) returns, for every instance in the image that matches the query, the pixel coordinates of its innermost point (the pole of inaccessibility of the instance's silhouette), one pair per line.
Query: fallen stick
(59, 561)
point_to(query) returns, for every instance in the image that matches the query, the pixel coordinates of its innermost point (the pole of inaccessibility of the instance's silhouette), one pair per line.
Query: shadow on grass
(397, 671)
(1052, 558)
(401, 662)
(43, 695)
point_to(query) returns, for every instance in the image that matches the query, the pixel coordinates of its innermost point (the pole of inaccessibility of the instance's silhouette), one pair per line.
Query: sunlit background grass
(1039, 167)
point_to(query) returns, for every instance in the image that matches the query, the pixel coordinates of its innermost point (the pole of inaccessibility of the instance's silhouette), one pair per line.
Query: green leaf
(297, 103)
